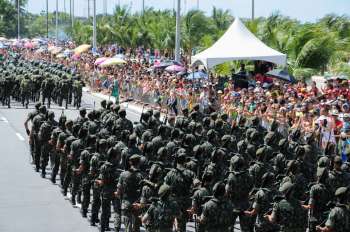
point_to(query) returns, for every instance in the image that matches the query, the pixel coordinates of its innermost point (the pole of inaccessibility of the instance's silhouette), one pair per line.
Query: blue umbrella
(2, 45)
(197, 75)
(120, 56)
(282, 75)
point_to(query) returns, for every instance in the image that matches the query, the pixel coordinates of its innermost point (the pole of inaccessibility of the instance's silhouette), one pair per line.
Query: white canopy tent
(238, 43)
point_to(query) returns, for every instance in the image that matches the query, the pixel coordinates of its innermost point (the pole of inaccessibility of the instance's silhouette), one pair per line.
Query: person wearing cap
(288, 212)
(30, 118)
(97, 160)
(262, 201)
(238, 186)
(81, 119)
(34, 135)
(319, 197)
(217, 213)
(344, 146)
(200, 195)
(163, 213)
(337, 177)
(181, 179)
(129, 191)
(338, 218)
(123, 123)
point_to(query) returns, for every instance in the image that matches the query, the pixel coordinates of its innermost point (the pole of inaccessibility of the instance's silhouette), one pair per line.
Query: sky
(303, 10)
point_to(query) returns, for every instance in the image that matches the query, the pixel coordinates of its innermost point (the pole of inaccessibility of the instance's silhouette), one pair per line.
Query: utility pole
(88, 2)
(18, 19)
(72, 13)
(197, 4)
(94, 27)
(47, 18)
(105, 7)
(56, 21)
(143, 7)
(253, 9)
(178, 31)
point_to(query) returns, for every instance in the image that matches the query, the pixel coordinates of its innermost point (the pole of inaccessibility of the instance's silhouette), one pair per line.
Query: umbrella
(51, 48)
(61, 55)
(40, 50)
(29, 45)
(120, 56)
(112, 61)
(56, 50)
(67, 52)
(2, 45)
(82, 48)
(100, 60)
(282, 75)
(197, 75)
(175, 68)
(2, 39)
(76, 57)
(166, 63)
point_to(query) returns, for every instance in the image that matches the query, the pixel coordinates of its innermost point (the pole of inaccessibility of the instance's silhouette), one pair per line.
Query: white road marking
(4, 119)
(20, 137)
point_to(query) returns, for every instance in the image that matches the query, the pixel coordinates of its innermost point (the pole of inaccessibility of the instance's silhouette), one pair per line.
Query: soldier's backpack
(65, 86)
(78, 86)
(25, 84)
(45, 131)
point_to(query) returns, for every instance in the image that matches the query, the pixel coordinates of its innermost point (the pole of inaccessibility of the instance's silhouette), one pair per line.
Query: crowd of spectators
(324, 111)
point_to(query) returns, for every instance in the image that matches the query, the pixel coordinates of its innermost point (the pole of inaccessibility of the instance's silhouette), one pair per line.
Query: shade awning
(238, 43)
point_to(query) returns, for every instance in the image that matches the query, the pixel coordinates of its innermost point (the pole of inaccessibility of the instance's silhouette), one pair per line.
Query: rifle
(166, 117)
(195, 222)
(143, 107)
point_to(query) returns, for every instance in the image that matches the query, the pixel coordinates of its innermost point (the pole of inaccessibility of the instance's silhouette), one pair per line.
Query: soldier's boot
(83, 213)
(62, 175)
(43, 172)
(79, 197)
(73, 200)
(53, 179)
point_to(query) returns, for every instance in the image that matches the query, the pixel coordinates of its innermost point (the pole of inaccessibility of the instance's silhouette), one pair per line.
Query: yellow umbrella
(56, 50)
(61, 55)
(112, 61)
(82, 48)
(51, 48)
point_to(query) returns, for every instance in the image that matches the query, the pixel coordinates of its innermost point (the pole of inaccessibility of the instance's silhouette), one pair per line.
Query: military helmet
(286, 188)
(122, 113)
(135, 158)
(237, 162)
(82, 110)
(51, 115)
(340, 192)
(42, 109)
(37, 105)
(219, 189)
(164, 190)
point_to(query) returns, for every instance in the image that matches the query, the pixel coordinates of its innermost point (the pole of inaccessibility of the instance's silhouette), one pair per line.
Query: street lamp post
(18, 19)
(94, 26)
(56, 21)
(178, 31)
(88, 15)
(253, 9)
(72, 12)
(47, 18)
(143, 7)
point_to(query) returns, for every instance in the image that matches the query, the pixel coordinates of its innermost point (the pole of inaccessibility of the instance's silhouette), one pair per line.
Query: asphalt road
(28, 202)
